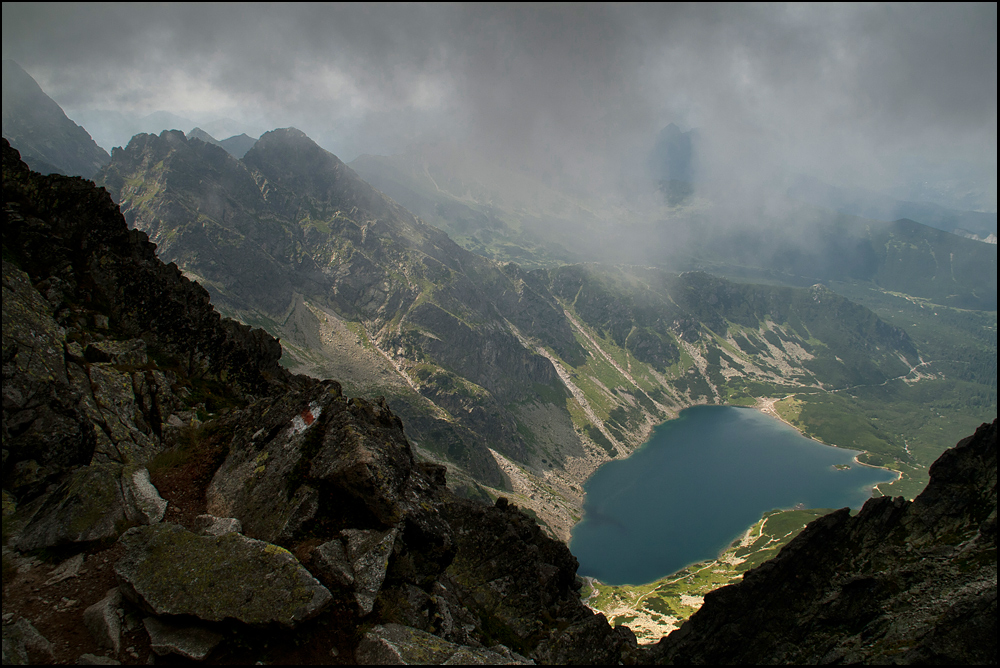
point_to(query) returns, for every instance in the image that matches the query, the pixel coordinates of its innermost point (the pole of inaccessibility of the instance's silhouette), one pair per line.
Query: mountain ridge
(37, 125)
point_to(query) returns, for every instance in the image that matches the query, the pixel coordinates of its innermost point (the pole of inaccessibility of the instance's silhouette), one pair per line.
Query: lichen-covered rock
(143, 503)
(45, 430)
(393, 644)
(87, 506)
(122, 353)
(210, 525)
(587, 641)
(103, 622)
(89, 659)
(511, 573)
(357, 562)
(331, 564)
(24, 645)
(167, 570)
(63, 406)
(94, 502)
(368, 552)
(190, 642)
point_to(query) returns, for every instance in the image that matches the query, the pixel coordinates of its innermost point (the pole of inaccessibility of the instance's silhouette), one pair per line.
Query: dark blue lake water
(698, 483)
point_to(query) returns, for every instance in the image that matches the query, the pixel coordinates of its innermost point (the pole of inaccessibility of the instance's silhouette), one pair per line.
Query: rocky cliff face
(102, 344)
(36, 125)
(901, 582)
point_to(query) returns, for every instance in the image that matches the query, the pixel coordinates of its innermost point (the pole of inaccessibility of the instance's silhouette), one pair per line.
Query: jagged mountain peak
(198, 133)
(289, 155)
(236, 146)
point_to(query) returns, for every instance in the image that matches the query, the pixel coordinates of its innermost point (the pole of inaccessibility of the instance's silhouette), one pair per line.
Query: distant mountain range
(235, 146)
(790, 241)
(970, 224)
(112, 128)
(34, 124)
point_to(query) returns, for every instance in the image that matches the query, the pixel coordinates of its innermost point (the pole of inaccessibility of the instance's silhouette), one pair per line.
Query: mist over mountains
(49, 141)
(340, 540)
(493, 366)
(272, 231)
(112, 128)
(505, 244)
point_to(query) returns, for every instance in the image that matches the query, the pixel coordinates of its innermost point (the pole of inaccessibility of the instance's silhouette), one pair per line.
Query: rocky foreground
(198, 501)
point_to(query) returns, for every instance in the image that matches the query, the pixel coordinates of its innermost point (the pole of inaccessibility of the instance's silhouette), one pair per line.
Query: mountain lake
(696, 486)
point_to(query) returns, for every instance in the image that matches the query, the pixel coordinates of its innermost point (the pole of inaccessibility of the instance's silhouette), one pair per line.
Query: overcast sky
(854, 94)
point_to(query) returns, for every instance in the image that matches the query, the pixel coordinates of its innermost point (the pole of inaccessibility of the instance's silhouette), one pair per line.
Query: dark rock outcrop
(190, 642)
(901, 582)
(290, 452)
(93, 503)
(393, 644)
(102, 343)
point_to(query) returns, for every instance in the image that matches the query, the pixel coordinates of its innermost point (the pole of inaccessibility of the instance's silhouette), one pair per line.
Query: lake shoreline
(643, 485)
(766, 406)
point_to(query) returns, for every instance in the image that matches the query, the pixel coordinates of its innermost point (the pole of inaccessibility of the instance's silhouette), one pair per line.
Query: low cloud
(854, 94)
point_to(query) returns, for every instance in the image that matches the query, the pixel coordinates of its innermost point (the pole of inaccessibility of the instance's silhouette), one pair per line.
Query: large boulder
(168, 570)
(311, 455)
(94, 502)
(359, 561)
(24, 645)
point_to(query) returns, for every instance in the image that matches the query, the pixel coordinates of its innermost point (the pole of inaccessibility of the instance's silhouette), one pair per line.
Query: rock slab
(210, 525)
(144, 504)
(369, 554)
(93, 503)
(168, 570)
(394, 644)
(191, 642)
(102, 620)
(24, 645)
